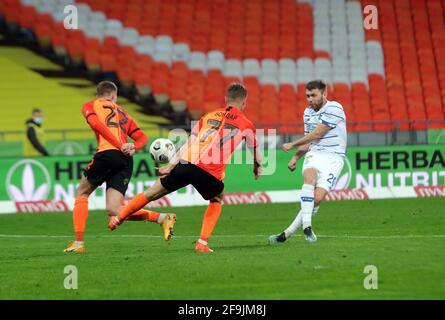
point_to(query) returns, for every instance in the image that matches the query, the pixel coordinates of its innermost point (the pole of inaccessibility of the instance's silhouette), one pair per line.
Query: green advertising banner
(436, 136)
(34, 179)
(364, 167)
(54, 147)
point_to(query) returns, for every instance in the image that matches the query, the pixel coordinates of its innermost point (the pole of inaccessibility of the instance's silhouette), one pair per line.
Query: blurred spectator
(35, 135)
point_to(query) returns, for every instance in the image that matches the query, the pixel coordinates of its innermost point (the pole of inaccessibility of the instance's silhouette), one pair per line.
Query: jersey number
(214, 127)
(331, 179)
(112, 124)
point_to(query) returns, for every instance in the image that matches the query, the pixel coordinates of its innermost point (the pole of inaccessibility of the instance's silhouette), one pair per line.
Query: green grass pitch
(404, 239)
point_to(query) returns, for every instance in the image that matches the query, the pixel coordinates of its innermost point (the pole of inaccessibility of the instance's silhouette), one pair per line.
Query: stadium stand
(184, 52)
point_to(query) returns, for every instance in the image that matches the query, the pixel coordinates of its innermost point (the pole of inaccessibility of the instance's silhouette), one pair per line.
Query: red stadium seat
(412, 37)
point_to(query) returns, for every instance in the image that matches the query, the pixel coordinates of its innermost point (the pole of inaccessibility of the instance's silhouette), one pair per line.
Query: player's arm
(139, 137)
(319, 131)
(252, 145)
(257, 161)
(187, 145)
(301, 151)
(32, 137)
(329, 119)
(95, 124)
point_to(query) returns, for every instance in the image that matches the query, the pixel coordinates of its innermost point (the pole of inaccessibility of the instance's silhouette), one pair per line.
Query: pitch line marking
(408, 236)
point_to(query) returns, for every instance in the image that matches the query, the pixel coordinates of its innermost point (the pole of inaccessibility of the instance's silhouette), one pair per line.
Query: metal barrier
(66, 141)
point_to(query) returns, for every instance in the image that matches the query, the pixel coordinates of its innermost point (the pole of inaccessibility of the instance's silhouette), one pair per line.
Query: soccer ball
(162, 150)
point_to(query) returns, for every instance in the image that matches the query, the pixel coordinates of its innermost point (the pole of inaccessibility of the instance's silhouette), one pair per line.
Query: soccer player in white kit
(324, 148)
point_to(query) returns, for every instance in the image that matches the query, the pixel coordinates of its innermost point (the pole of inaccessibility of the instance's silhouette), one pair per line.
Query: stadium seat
(385, 71)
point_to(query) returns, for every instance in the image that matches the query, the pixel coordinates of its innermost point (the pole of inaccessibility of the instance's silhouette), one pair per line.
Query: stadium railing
(81, 141)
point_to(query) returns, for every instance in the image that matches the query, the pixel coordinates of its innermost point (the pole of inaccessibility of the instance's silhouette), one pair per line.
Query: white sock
(307, 204)
(294, 226)
(292, 229)
(161, 218)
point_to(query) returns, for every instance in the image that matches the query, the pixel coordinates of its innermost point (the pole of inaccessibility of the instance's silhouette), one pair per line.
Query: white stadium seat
(251, 67)
(233, 68)
(198, 61)
(181, 52)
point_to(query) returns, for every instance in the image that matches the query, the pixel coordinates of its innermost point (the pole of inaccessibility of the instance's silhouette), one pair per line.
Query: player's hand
(163, 171)
(128, 149)
(292, 163)
(287, 146)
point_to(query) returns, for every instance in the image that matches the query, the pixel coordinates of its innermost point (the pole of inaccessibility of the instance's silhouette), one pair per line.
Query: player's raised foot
(202, 248)
(309, 234)
(277, 238)
(76, 247)
(113, 223)
(167, 225)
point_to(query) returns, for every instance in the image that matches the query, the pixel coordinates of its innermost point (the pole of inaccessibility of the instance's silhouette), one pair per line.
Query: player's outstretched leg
(165, 220)
(286, 234)
(137, 203)
(291, 230)
(167, 225)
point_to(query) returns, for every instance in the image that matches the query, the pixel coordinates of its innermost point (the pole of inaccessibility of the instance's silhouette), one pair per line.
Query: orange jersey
(217, 135)
(119, 124)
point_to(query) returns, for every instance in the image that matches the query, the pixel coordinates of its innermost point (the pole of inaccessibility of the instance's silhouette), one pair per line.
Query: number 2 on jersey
(112, 124)
(214, 127)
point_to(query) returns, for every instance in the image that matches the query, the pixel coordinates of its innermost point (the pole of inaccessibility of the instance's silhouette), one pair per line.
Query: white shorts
(328, 166)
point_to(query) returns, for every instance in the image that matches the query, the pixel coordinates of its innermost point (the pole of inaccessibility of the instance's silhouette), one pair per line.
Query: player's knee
(82, 192)
(310, 180)
(318, 199)
(112, 211)
(152, 195)
(148, 195)
(217, 199)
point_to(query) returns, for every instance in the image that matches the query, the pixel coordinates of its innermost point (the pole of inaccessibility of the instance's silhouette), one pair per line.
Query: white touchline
(407, 236)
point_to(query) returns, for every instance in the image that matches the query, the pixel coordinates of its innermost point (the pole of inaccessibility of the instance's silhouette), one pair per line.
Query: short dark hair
(236, 91)
(105, 88)
(316, 84)
(35, 110)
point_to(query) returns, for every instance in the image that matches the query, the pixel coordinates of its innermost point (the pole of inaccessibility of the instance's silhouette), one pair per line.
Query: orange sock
(135, 204)
(144, 215)
(80, 215)
(211, 217)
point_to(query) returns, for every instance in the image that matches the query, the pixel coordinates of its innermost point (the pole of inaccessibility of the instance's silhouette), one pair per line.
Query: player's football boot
(309, 234)
(75, 247)
(167, 225)
(202, 248)
(113, 223)
(277, 238)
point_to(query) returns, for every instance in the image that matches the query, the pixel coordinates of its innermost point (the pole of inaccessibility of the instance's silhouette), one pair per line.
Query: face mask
(38, 120)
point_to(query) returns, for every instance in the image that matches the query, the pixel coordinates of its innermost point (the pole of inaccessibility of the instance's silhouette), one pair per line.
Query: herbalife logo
(69, 148)
(345, 177)
(28, 180)
(440, 138)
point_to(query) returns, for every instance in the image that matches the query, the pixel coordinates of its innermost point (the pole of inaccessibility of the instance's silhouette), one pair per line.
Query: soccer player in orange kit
(112, 163)
(202, 161)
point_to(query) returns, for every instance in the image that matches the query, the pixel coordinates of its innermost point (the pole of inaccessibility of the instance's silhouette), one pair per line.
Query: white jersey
(332, 115)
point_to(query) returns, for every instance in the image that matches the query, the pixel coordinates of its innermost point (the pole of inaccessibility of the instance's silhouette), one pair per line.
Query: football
(162, 150)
